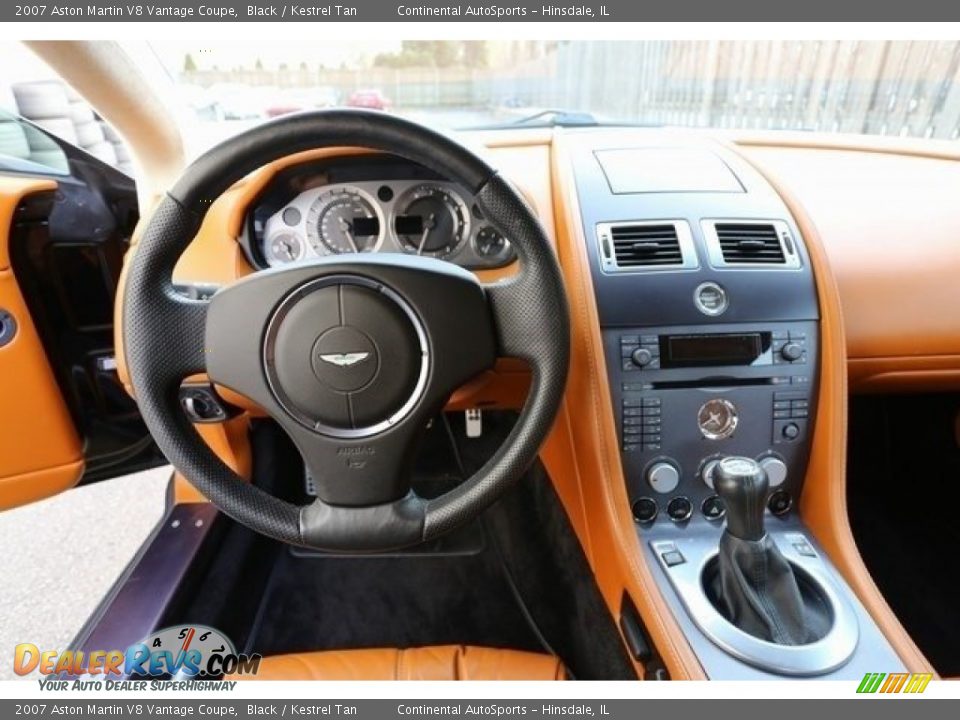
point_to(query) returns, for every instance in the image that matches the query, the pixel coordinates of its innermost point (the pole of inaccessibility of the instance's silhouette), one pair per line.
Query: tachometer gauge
(431, 220)
(490, 244)
(284, 248)
(344, 220)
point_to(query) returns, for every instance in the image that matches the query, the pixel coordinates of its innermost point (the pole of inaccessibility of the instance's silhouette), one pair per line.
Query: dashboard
(382, 206)
(645, 423)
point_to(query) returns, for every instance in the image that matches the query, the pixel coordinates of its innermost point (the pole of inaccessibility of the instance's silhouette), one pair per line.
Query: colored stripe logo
(894, 683)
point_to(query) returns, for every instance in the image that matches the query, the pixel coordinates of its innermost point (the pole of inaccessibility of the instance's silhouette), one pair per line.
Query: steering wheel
(351, 355)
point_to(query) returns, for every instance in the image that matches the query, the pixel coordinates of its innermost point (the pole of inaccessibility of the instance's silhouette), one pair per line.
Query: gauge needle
(345, 227)
(428, 225)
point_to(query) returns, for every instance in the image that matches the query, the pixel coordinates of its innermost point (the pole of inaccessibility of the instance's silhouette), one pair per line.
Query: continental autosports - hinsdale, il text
(498, 710)
(495, 11)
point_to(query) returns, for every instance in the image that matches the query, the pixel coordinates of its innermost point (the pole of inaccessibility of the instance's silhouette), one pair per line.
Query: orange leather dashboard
(891, 232)
(40, 452)
(863, 216)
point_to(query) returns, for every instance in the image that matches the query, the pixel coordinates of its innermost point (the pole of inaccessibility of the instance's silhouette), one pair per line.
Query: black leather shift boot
(754, 587)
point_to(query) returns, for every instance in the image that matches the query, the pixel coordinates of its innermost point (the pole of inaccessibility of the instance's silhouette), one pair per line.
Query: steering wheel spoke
(185, 350)
(358, 472)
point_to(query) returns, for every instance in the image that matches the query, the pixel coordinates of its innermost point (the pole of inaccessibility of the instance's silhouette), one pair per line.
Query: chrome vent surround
(645, 246)
(743, 244)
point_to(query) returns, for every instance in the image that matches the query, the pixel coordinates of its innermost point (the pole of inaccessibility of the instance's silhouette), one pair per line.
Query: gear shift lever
(742, 485)
(754, 586)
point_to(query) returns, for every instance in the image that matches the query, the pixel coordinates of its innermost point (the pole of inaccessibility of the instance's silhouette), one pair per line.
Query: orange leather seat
(442, 662)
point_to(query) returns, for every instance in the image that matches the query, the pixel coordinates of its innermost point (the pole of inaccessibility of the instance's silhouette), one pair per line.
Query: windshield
(884, 88)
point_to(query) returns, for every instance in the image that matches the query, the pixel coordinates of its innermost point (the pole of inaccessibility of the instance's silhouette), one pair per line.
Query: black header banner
(483, 11)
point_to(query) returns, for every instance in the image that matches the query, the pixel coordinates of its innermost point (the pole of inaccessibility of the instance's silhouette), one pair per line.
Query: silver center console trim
(816, 658)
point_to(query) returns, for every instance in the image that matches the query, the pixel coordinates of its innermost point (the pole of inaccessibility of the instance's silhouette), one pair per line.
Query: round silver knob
(776, 470)
(791, 352)
(706, 474)
(641, 357)
(663, 477)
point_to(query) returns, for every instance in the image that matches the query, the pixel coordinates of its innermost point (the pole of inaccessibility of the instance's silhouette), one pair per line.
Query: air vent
(638, 246)
(743, 244)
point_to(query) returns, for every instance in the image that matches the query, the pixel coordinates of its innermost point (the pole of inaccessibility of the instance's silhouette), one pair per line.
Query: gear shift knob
(742, 485)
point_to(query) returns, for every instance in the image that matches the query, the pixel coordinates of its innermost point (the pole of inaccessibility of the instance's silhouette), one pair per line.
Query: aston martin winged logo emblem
(345, 359)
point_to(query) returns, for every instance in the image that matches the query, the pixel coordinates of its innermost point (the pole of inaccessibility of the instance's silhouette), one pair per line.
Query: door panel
(40, 450)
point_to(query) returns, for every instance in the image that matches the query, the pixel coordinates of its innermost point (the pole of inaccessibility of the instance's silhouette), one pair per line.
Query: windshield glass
(876, 87)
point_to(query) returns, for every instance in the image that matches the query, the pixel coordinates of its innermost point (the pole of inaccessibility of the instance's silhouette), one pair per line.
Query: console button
(780, 502)
(679, 509)
(663, 477)
(713, 508)
(673, 557)
(710, 299)
(645, 510)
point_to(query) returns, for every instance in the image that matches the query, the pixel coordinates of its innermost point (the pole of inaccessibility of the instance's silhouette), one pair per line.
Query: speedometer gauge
(344, 219)
(431, 220)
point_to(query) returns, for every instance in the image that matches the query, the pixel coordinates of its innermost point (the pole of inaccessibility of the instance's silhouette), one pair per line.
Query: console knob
(706, 474)
(791, 431)
(791, 351)
(663, 477)
(641, 357)
(776, 470)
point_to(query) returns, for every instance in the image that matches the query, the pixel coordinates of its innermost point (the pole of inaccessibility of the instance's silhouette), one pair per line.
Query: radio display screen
(679, 351)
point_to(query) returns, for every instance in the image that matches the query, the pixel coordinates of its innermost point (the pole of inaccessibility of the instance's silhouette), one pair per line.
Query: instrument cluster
(418, 217)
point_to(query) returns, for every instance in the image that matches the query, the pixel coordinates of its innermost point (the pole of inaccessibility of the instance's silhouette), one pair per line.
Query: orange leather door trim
(40, 451)
(823, 504)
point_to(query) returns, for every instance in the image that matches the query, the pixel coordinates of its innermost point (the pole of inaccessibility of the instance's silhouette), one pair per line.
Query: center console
(710, 324)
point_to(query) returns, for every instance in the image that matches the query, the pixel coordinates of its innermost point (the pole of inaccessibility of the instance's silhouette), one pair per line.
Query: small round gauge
(489, 243)
(717, 419)
(284, 248)
(344, 220)
(431, 220)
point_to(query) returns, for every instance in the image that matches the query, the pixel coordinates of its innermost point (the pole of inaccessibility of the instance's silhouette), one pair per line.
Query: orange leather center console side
(40, 451)
(443, 662)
